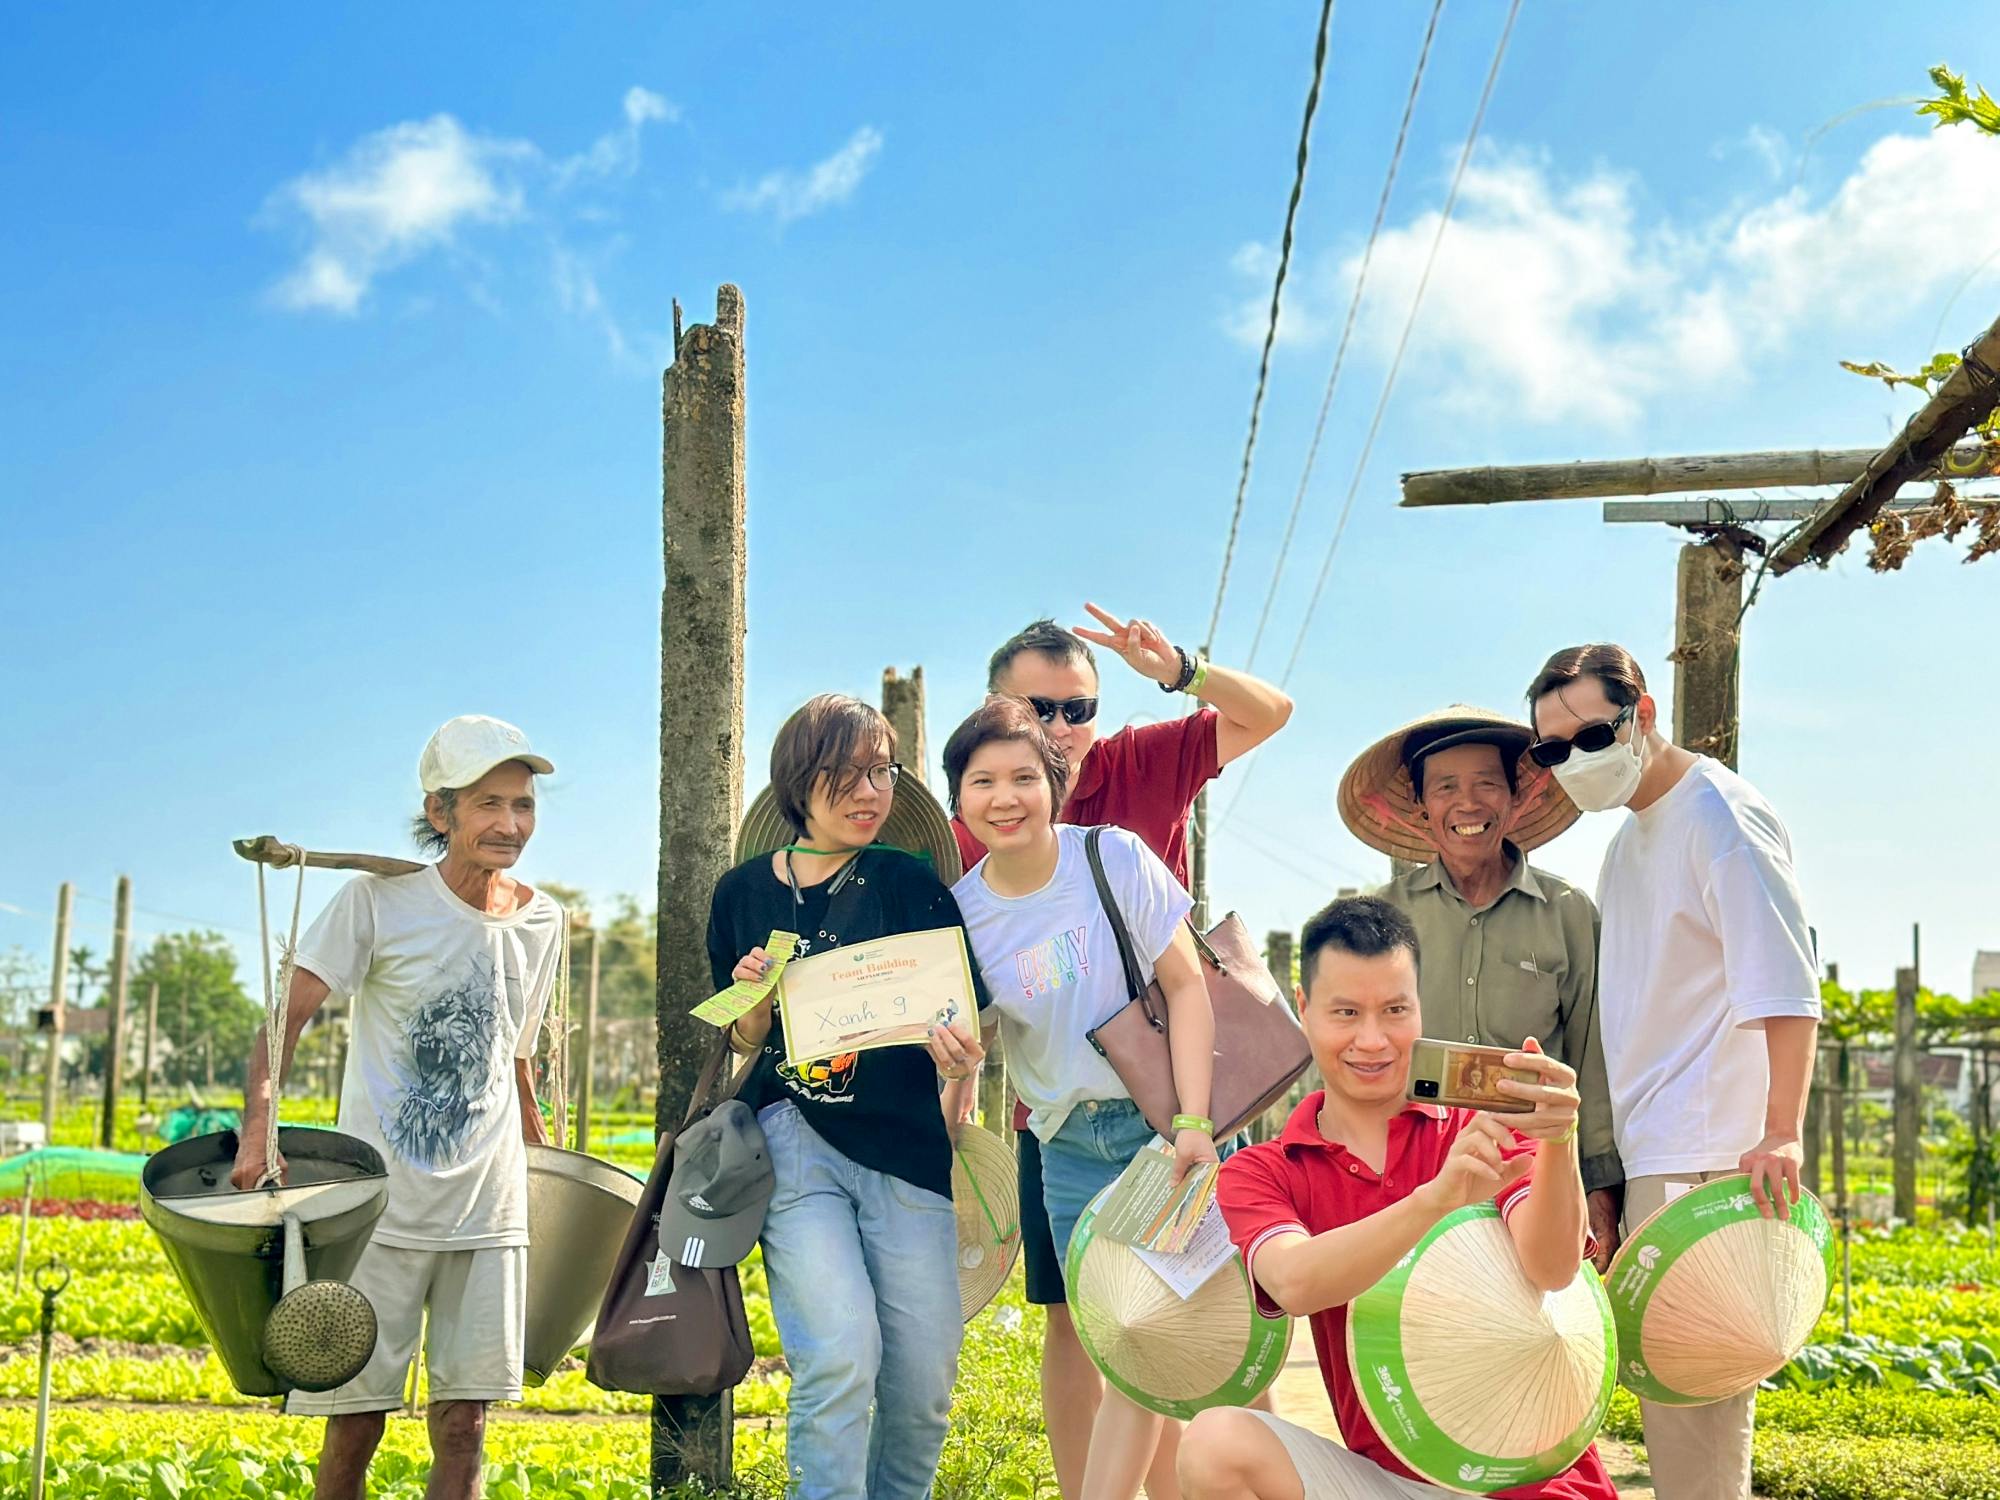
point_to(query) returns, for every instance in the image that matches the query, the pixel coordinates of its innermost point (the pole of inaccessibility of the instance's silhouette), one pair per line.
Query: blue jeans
(864, 1286)
(1097, 1142)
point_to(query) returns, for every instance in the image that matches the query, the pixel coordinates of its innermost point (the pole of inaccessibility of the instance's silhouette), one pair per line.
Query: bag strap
(711, 1070)
(1135, 976)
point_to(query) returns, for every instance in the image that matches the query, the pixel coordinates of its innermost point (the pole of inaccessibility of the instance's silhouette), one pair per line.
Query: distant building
(1985, 973)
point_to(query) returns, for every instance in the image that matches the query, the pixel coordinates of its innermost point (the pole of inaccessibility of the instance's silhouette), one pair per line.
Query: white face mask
(1599, 780)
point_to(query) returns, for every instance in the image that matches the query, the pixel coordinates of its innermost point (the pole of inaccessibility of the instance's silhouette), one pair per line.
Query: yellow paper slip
(726, 1007)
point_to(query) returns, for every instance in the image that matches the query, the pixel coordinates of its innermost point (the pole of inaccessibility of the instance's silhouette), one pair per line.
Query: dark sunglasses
(1589, 739)
(1073, 710)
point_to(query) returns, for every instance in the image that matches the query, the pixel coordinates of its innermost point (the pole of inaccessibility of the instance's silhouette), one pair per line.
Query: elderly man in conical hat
(1510, 951)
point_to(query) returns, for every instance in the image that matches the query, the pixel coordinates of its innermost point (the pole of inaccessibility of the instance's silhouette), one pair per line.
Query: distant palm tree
(82, 962)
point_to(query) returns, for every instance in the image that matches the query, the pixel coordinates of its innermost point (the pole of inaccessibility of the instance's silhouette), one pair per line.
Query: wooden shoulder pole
(702, 624)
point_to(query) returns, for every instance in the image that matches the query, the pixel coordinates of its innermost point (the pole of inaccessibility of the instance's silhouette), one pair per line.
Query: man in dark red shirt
(1144, 778)
(1358, 1177)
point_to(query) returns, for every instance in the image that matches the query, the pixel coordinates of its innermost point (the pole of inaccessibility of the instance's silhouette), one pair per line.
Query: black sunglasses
(1074, 710)
(1589, 739)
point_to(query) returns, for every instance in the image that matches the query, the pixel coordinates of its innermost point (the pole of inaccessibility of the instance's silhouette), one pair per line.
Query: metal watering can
(579, 1209)
(267, 1269)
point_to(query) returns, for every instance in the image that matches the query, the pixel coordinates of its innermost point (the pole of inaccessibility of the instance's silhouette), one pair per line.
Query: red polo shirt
(1304, 1183)
(1143, 779)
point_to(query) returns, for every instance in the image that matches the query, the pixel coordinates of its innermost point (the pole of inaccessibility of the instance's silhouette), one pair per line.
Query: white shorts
(1330, 1472)
(478, 1301)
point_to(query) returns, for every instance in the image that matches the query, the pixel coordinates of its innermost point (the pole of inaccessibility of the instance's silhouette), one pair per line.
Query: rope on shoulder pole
(277, 1002)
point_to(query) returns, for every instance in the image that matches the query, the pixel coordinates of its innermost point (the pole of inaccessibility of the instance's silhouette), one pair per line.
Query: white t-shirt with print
(1051, 962)
(1704, 938)
(445, 998)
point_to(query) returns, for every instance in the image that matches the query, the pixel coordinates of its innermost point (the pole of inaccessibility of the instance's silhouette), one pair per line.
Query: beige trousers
(1696, 1452)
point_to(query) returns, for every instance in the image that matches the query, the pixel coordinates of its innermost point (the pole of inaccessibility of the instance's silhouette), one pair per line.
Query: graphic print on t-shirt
(453, 1040)
(826, 1080)
(1052, 963)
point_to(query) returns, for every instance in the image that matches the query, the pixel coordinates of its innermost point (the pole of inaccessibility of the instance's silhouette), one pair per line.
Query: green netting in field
(74, 1172)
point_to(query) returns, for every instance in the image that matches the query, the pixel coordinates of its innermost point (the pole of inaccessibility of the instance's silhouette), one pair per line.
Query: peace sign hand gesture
(1139, 643)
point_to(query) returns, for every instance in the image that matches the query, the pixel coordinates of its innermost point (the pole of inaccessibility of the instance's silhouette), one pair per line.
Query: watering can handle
(295, 1252)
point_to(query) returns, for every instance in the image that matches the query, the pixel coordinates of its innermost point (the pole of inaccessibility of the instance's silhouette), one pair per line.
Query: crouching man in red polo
(1356, 1180)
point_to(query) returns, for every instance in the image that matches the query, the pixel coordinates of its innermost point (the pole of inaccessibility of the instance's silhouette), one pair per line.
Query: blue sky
(331, 399)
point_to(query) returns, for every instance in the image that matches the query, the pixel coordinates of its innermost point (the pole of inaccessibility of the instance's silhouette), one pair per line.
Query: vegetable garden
(1905, 1402)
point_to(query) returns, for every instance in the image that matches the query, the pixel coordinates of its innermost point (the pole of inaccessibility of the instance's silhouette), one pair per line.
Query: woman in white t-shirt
(1046, 946)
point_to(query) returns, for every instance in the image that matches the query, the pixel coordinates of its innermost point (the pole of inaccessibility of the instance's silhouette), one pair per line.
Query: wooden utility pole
(1686, 474)
(703, 619)
(1198, 859)
(1814, 1141)
(586, 1048)
(1278, 959)
(1708, 610)
(152, 1024)
(1906, 1097)
(903, 707)
(114, 1029)
(58, 982)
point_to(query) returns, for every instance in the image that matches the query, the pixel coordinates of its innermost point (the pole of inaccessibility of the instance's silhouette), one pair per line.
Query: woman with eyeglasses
(1040, 931)
(860, 1241)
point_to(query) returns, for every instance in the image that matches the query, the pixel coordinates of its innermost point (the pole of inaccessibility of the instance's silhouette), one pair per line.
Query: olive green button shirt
(1525, 965)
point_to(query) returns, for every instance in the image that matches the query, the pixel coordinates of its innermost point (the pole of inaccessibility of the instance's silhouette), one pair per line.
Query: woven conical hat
(1378, 801)
(1170, 1356)
(916, 822)
(986, 1195)
(1710, 1296)
(1474, 1377)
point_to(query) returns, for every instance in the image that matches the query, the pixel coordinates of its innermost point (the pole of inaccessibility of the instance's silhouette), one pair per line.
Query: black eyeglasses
(1589, 739)
(1073, 710)
(883, 777)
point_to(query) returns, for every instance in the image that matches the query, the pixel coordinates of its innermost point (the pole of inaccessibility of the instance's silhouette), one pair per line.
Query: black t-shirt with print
(879, 1108)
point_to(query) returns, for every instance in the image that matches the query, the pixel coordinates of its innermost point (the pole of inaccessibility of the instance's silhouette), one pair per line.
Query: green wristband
(1193, 689)
(1193, 1122)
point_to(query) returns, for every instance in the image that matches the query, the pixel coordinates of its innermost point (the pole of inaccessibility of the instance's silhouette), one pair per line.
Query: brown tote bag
(666, 1329)
(1260, 1050)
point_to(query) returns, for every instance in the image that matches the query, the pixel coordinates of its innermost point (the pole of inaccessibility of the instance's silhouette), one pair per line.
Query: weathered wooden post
(1906, 1097)
(1708, 608)
(702, 625)
(1278, 959)
(1814, 1140)
(58, 981)
(114, 1031)
(586, 1051)
(152, 1024)
(903, 707)
(1198, 858)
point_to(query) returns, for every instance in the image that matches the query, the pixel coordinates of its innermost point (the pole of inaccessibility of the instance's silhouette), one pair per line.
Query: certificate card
(886, 993)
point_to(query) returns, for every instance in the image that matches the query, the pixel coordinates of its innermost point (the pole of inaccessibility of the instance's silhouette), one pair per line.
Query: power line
(1395, 366)
(1346, 331)
(1403, 343)
(1271, 327)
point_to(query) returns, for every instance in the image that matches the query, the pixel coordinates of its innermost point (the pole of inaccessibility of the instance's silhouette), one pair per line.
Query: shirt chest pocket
(1520, 995)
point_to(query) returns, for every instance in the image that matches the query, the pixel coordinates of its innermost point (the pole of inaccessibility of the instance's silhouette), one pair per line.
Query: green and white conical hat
(1474, 1377)
(1171, 1356)
(986, 1196)
(1710, 1296)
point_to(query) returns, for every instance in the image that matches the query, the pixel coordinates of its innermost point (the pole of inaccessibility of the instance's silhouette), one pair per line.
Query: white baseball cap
(467, 747)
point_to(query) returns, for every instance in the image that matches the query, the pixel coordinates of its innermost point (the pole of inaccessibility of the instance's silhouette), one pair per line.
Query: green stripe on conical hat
(986, 1196)
(1475, 1378)
(1171, 1356)
(1711, 1297)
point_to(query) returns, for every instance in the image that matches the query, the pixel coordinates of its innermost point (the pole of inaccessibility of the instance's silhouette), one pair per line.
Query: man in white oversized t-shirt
(1708, 990)
(450, 969)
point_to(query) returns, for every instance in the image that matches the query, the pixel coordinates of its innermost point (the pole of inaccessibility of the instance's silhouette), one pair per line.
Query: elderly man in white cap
(450, 969)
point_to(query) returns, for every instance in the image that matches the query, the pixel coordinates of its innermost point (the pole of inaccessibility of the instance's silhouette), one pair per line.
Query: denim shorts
(1096, 1143)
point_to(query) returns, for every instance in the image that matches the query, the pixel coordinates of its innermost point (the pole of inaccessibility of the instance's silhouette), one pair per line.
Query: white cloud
(1553, 301)
(394, 195)
(789, 195)
(616, 152)
(415, 187)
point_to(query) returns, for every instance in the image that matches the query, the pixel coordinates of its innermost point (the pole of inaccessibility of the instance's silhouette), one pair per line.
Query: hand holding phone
(1463, 1075)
